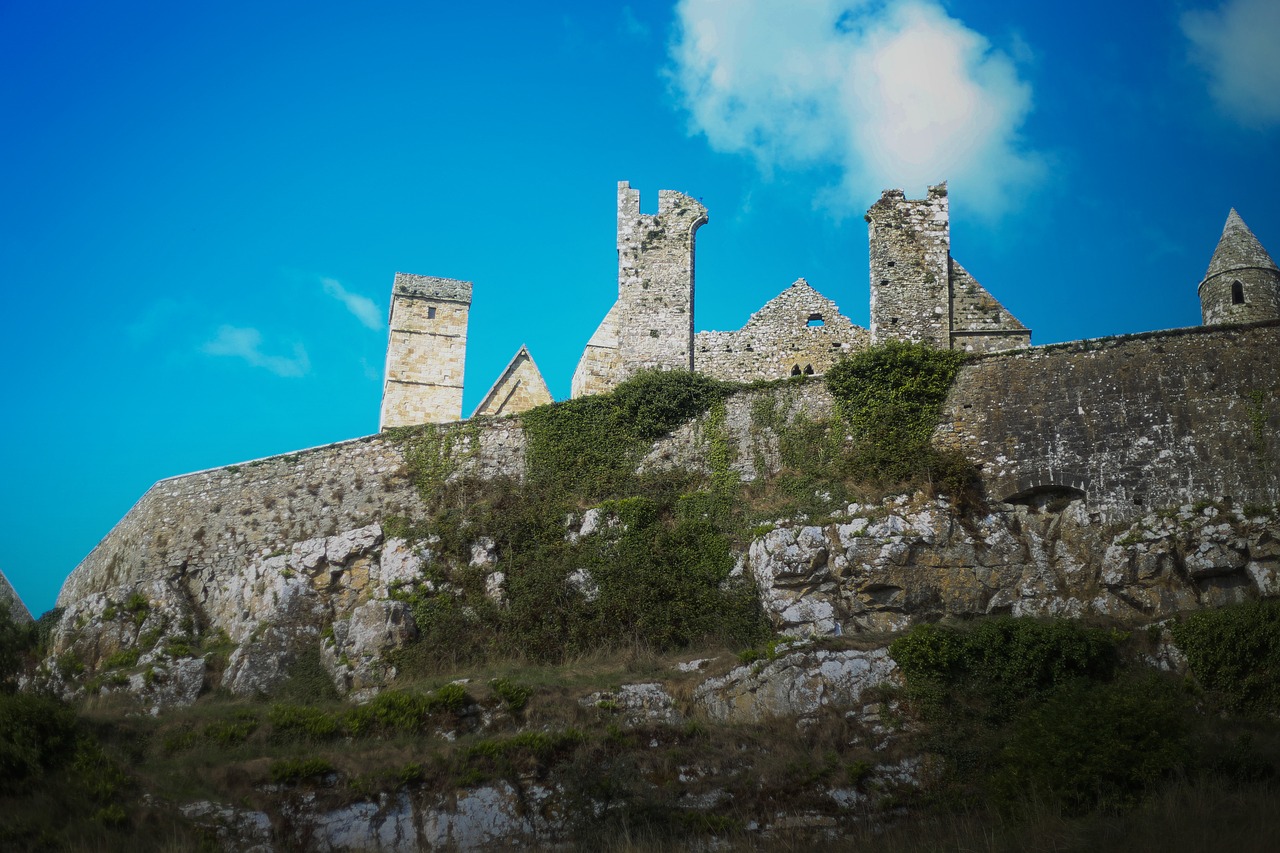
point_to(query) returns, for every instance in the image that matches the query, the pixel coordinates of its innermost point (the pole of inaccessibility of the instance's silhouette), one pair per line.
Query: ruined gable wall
(777, 339)
(519, 389)
(651, 324)
(979, 323)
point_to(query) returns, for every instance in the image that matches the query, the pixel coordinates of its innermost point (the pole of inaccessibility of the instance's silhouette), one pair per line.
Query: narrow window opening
(816, 320)
(795, 371)
(653, 333)
(808, 370)
(891, 263)
(1237, 293)
(431, 312)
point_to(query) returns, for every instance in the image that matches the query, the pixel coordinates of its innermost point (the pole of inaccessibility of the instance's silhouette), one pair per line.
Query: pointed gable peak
(1238, 249)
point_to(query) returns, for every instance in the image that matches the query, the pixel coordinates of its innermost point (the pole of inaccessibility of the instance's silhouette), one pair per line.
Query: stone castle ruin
(918, 293)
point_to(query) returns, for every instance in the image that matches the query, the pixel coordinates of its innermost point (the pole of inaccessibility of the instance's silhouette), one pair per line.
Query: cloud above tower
(1235, 44)
(894, 93)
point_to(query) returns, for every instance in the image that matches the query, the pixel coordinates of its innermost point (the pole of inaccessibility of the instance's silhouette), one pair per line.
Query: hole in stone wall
(808, 370)
(431, 313)
(816, 320)
(795, 370)
(891, 263)
(653, 333)
(1237, 293)
(1047, 498)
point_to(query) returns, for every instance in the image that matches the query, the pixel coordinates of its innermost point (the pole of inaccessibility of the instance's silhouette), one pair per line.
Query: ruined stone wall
(217, 521)
(1141, 420)
(778, 340)
(979, 323)
(1133, 423)
(426, 351)
(910, 244)
(651, 324)
(519, 389)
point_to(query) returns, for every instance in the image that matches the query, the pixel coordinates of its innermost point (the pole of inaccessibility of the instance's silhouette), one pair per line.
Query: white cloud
(1237, 45)
(362, 308)
(246, 343)
(892, 94)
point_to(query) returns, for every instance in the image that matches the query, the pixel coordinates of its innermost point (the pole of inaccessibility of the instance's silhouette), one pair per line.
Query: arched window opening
(816, 320)
(808, 370)
(795, 370)
(1237, 293)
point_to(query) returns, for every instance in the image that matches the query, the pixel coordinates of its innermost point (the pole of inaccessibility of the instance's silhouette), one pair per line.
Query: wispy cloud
(633, 26)
(1236, 44)
(893, 93)
(246, 343)
(362, 308)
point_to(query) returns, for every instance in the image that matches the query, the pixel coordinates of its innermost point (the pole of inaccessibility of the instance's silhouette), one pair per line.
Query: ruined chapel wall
(777, 339)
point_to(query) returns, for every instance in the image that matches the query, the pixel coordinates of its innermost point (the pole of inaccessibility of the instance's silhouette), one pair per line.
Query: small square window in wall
(431, 312)
(815, 320)
(653, 333)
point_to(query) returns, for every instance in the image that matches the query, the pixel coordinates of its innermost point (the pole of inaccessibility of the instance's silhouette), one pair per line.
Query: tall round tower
(1242, 284)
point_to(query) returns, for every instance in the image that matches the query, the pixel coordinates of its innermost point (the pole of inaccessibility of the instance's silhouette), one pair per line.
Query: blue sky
(204, 204)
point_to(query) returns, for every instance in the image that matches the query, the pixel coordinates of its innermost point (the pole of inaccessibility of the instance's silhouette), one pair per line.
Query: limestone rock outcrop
(885, 567)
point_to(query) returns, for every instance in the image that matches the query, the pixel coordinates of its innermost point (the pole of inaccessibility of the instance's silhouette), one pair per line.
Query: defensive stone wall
(1136, 421)
(216, 521)
(1129, 423)
(797, 332)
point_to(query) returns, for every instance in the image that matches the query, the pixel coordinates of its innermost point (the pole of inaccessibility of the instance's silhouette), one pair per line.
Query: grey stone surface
(17, 610)
(1242, 284)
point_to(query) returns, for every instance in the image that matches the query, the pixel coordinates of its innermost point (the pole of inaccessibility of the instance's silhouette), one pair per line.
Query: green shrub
(1097, 746)
(1234, 653)
(514, 696)
(1003, 661)
(122, 659)
(37, 733)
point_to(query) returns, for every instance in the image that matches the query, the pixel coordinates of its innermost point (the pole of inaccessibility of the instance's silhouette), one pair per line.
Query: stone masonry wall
(218, 521)
(426, 351)
(979, 323)
(1150, 420)
(651, 324)
(1242, 284)
(910, 244)
(519, 389)
(1133, 423)
(778, 341)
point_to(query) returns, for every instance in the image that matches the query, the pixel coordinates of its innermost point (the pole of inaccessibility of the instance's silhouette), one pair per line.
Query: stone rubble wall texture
(17, 610)
(778, 340)
(1155, 418)
(1239, 260)
(910, 245)
(426, 351)
(979, 323)
(1131, 422)
(651, 324)
(217, 521)
(918, 292)
(519, 388)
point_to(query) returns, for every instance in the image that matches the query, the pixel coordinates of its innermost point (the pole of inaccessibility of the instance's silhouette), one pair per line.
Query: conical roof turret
(1238, 249)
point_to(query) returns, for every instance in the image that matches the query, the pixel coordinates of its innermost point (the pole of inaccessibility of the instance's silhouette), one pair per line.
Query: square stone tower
(910, 241)
(919, 293)
(426, 351)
